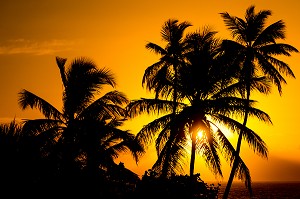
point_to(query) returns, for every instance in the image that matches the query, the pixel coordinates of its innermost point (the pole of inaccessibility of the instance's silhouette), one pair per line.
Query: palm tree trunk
(238, 149)
(192, 163)
(193, 154)
(233, 169)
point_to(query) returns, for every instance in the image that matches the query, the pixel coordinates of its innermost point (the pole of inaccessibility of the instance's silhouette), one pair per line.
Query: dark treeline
(199, 83)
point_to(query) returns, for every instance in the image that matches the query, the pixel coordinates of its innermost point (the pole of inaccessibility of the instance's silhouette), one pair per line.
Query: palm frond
(61, 65)
(261, 84)
(170, 158)
(233, 24)
(84, 81)
(149, 131)
(151, 72)
(109, 105)
(172, 31)
(209, 152)
(128, 143)
(155, 48)
(28, 99)
(229, 153)
(267, 65)
(260, 115)
(174, 128)
(38, 126)
(226, 147)
(270, 34)
(282, 67)
(256, 143)
(243, 173)
(149, 106)
(277, 49)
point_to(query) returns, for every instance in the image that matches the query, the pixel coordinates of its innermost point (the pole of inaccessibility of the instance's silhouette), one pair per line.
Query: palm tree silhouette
(207, 94)
(84, 137)
(203, 84)
(157, 76)
(254, 50)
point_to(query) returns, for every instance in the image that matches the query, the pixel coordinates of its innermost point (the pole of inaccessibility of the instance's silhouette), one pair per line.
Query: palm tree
(204, 86)
(254, 50)
(85, 136)
(200, 81)
(157, 76)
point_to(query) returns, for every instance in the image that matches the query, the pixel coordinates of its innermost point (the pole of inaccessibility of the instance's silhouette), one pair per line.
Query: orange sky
(113, 33)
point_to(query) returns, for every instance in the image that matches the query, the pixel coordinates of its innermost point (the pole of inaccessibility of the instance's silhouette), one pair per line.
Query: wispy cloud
(22, 46)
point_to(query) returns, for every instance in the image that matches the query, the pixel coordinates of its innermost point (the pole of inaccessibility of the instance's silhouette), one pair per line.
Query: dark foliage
(25, 172)
(176, 186)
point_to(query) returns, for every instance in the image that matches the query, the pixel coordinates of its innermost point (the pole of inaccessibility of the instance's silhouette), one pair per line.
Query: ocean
(264, 190)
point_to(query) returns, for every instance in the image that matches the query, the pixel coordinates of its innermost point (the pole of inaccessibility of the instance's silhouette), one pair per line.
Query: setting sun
(200, 134)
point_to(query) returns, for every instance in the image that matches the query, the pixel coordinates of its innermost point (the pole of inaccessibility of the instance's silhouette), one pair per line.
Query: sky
(113, 33)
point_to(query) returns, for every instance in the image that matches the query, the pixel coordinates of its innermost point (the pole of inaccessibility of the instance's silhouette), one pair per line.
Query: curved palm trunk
(237, 153)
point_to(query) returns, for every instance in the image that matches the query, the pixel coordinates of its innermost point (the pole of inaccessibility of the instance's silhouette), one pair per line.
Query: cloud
(22, 46)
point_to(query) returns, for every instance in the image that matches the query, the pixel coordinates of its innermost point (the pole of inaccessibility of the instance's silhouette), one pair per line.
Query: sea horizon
(263, 190)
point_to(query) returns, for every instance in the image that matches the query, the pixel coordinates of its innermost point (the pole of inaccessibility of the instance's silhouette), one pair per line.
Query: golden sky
(113, 33)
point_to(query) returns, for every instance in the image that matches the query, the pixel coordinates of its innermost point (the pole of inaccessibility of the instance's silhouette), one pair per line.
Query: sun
(200, 134)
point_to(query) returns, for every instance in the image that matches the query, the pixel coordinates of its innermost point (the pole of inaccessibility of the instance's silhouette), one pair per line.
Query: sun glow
(199, 134)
